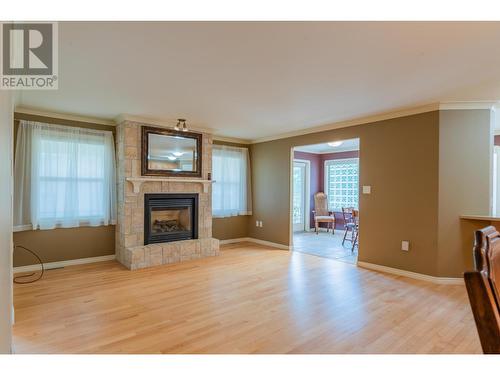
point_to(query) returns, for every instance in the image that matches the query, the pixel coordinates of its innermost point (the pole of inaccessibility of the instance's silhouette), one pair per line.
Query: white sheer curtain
(231, 192)
(64, 177)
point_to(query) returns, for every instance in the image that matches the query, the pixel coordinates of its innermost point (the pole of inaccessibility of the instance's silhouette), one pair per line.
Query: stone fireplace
(160, 220)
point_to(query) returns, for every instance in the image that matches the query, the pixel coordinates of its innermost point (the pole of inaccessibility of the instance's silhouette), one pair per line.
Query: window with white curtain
(231, 193)
(64, 177)
(341, 183)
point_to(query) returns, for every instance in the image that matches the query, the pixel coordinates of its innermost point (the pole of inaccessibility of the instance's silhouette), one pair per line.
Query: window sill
(22, 228)
(29, 227)
(214, 216)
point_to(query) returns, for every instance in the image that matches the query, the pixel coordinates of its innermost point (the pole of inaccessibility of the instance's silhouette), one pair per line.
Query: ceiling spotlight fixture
(181, 125)
(335, 144)
(177, 153)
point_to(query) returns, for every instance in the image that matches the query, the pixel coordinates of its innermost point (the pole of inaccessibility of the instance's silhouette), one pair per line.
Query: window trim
(325, 176)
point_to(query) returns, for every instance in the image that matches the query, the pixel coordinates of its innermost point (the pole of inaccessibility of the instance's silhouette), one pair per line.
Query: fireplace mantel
(138, 181)
(132, 248)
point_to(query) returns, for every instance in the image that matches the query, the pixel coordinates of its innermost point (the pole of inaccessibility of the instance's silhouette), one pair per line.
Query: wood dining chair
(351, 225)
(321, 213)
(483, 288)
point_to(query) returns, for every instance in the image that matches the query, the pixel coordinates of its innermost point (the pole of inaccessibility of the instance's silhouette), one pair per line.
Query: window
(231, 193)
(64, 176)
(341, 183)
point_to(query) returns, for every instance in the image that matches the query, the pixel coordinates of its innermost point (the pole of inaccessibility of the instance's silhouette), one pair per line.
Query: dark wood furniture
(351, 225)
(483, 288)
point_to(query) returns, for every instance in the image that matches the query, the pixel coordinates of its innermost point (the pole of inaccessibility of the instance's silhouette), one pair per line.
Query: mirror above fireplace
(170, 153)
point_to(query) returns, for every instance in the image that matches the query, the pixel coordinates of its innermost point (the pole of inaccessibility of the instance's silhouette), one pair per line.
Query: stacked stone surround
(130, 248)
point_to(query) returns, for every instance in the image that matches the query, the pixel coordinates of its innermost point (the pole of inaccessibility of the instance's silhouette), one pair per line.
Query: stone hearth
(130, 248)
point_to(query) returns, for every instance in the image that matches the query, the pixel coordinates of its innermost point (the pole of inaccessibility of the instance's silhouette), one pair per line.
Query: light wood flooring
(250, 299)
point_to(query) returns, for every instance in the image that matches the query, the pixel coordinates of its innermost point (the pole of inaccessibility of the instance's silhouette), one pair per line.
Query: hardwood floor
(251, 299)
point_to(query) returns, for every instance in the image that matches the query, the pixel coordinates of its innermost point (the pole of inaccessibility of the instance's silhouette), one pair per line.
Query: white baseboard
(412, 275)
(235, 240)
(64, 263)
(255, 240)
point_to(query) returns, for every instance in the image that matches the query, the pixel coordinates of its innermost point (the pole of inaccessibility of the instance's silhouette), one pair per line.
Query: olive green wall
(465, 156)
(425, 170)
(84, 242)
(231, 227)
(398, 158)
(63, 244)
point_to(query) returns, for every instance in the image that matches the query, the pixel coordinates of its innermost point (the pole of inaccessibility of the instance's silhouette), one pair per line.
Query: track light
(178, 125)
(181, 125)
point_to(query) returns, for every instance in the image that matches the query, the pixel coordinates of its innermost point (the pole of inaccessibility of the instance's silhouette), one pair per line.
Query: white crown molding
(327, 152)
(486, 104)
(359, 121)
(70, 117)
(64, 263)
(402, 112)
(412, 275)
(164, 123)
(232, 140)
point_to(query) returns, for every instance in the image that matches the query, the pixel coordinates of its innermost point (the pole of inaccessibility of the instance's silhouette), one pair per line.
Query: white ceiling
(253, 79)
(323, 148)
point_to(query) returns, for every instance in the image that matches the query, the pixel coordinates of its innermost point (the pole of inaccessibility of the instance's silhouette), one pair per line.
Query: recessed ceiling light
(335, 144)
(177, 153)
(171, 157)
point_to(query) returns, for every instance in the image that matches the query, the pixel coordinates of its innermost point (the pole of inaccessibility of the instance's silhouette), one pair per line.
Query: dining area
(325, 199)
(335, 234)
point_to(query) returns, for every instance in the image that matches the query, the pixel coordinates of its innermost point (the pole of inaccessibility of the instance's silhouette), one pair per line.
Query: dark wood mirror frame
(145, 171)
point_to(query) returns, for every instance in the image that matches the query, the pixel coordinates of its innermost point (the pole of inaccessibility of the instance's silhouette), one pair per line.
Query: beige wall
(5, 221)
(465, 154)
(398, 158)
(231, 227)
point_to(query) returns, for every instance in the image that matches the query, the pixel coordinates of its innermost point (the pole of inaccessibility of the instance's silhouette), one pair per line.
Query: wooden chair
(321, 213)
(351, 224)
(483, 288)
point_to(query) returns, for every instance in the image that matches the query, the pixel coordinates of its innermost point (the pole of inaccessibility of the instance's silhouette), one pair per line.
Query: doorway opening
(325, 200)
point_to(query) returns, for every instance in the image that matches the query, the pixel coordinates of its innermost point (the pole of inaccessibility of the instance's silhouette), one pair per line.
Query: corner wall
(398, 158)
(231, 227)
(57, 245)
(465, 172)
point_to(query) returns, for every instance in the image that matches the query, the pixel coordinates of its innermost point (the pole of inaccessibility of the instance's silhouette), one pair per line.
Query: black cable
(16, 279)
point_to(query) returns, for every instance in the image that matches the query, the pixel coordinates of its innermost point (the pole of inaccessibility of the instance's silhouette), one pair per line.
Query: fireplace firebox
(170, 217)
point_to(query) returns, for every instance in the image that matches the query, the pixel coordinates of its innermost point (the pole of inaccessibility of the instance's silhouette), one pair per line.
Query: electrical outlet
(261, 224)
(405, 245)
(257, 223)
(367, 189)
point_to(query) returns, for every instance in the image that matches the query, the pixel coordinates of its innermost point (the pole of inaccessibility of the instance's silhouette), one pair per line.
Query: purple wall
(318, 173)
(316, 184)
